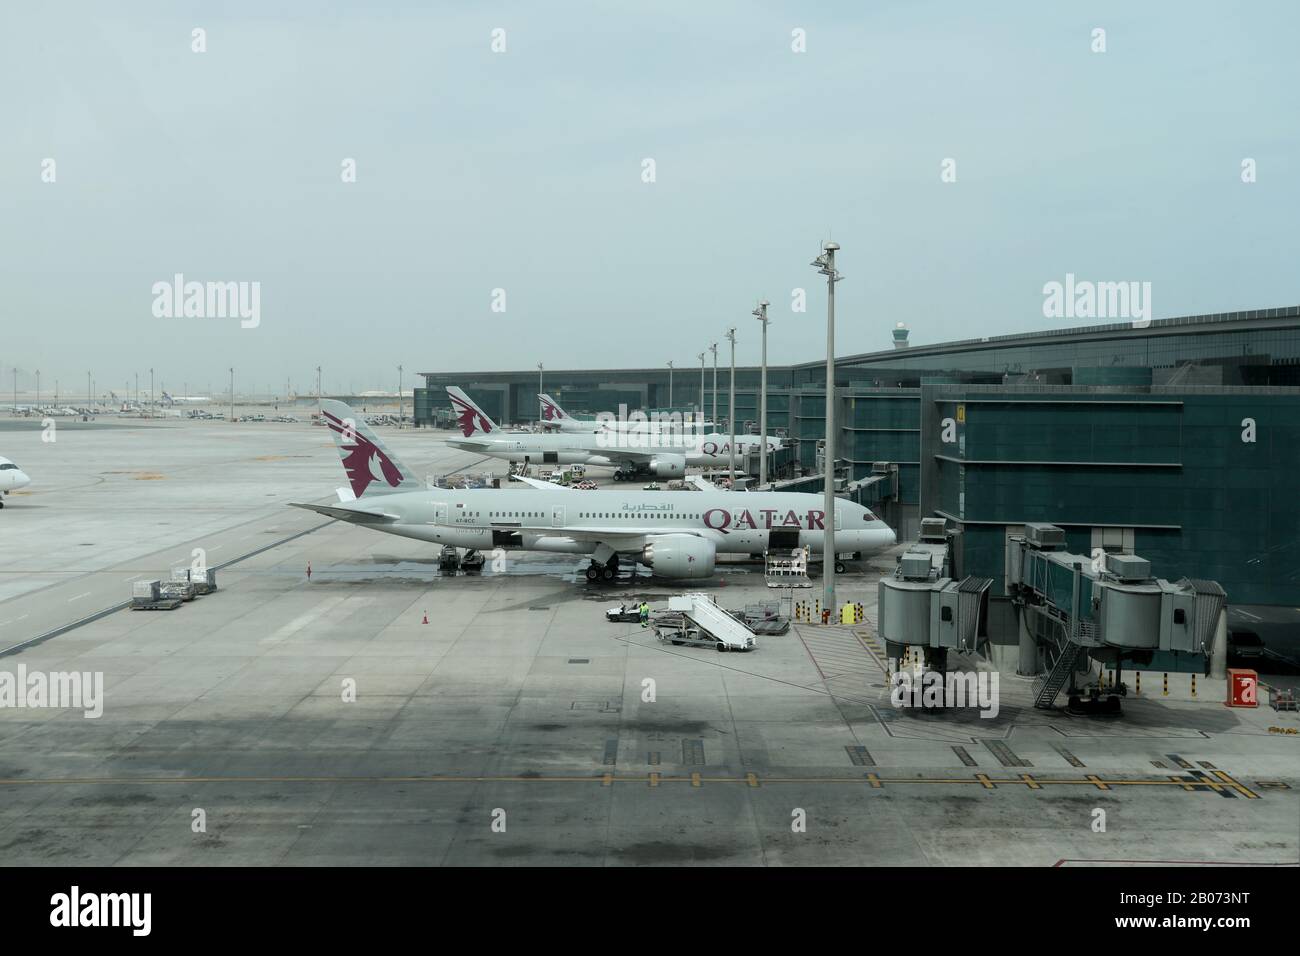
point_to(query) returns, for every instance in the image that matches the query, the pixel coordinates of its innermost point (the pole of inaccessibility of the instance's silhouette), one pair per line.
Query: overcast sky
(523, 171)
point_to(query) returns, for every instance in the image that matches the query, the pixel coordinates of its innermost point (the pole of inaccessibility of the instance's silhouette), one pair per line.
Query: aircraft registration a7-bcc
(677, 534)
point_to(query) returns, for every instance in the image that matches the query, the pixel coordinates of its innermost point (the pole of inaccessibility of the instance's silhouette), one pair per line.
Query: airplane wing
(353, 515)
(544, 485)
(468, 444)
(613, 535)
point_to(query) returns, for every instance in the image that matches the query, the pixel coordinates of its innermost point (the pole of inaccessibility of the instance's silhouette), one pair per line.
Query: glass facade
(1204, 478)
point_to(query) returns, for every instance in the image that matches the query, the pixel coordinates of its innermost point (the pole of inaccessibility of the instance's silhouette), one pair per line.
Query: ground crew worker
(645, 614)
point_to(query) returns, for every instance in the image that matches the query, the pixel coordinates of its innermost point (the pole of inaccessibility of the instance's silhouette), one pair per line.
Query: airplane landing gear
(624, 474)
(603, 573)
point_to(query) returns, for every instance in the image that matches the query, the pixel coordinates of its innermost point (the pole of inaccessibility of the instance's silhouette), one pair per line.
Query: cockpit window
(8, 466)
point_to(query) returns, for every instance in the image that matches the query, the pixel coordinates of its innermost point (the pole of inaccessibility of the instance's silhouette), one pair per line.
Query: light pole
(38, 389)
(541, 412)
(150, 393)
(90, 392)
(825, 265)
(761, 314)
(399, 396)
(714, 349)
(670, 386)
(699, 406)
(731, 407)
(232, 394)
(232, 391)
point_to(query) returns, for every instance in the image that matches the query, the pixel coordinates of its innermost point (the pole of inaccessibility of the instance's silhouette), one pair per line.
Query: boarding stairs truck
(697, 620)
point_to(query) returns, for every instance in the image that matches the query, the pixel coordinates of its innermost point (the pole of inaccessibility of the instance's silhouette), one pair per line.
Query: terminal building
(1178, 441)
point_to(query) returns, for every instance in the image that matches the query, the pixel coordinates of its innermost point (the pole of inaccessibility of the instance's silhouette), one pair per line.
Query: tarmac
(290, 719)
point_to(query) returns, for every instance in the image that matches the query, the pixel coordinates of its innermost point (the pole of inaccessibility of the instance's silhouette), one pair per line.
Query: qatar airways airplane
(677, 534)
(633, 454)
(553, 416)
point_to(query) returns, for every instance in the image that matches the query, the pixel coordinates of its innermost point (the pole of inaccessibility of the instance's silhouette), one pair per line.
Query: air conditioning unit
(1044, 537)
(934, 529)
(1128, 567)
(915, 564)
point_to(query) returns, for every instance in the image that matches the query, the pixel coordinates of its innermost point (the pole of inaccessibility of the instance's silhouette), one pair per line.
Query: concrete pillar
(1219, 650)
(1028, 664)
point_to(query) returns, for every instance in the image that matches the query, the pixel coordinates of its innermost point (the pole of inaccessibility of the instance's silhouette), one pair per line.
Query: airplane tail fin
(473, 420)
(371, 468)
(551, 410)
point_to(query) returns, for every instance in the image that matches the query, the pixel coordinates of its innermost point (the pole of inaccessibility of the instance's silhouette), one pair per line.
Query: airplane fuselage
(606, 448)
(570, 521)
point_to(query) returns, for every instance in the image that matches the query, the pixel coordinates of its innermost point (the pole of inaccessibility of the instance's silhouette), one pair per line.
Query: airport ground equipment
(925, 604)
(195, 580)
(177, 589)
(786, 568)
(1282, 698)
(623, 614)
(701, 621)
(764, 617)
(148, 596)
(1108, 608)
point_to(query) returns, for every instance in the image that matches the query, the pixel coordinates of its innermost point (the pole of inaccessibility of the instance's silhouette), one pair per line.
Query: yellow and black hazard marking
(1215, 781)
(873, 646)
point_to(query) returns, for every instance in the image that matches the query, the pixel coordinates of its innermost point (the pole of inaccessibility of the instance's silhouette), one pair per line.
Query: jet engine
(668, 466)
(679, 556)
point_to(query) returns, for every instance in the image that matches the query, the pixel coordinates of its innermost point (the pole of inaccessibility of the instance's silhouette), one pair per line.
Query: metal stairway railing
(1068, 653)
(1067, 659)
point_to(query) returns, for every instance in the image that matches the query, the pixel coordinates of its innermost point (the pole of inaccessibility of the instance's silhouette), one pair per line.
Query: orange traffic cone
(426, 618)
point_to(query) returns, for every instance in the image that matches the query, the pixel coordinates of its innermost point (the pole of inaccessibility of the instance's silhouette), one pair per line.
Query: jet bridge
(925, 605)
(1074, 608)
(882, 483)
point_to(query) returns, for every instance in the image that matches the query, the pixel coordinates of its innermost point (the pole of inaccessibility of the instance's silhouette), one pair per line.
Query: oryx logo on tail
(552, 412)
(362, 460)
(472, 421)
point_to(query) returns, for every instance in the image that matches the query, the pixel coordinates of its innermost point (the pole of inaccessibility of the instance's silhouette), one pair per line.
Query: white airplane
(677, 534)
(553, 416)
(185, 399)
(11, 479)
(633, 454)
